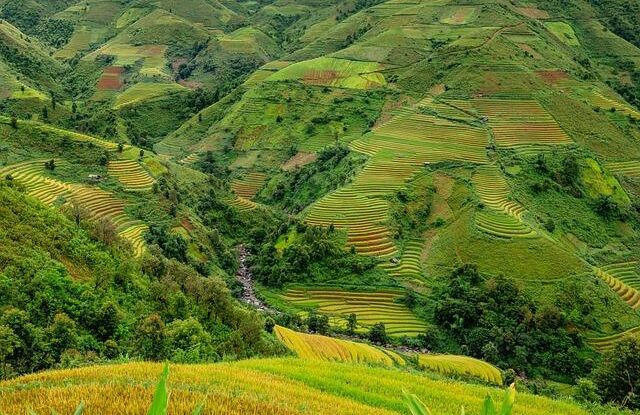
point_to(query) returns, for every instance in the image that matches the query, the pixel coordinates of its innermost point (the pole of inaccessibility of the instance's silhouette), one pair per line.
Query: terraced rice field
(31, 175)
(248, 185)
(243, 205)
(493, 190)
(625, 168)
(316, 347)
(190, 159)
(521, 123)
(146, 91)
(608, 343)
(398, 149)
(369, 307)
(624, 280)
(410, 266)
(428, 139)
(601, 101)
(282, 386)
(131, 175)
(501, 225)
(100, 205)
(340, 73)
(107, 145)
(462, 365)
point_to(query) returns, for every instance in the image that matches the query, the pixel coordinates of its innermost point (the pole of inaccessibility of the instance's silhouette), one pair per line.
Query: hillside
(428, 185)
(276, 386)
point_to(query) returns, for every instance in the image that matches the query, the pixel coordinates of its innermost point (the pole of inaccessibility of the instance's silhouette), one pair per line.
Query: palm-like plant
(416, 406)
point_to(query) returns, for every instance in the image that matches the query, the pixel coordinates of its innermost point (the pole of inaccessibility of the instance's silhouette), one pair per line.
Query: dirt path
(245, 278)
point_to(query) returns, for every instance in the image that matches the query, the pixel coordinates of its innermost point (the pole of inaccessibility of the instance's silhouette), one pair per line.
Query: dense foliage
(295, 190)
(65, 299)
(495, 320)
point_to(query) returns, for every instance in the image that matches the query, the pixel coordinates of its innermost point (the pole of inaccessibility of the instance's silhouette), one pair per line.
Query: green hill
(458, 178)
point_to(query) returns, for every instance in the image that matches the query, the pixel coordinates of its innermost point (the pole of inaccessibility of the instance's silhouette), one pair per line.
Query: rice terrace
(320, 207)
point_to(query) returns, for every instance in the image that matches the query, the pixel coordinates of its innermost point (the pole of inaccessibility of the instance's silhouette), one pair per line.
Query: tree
(45, 113)
(50, 165)
(352, 323)
(378, 333)
(8, 343)
(618, 376)
(317, 323)
(120, 147)
(141, 154)
(151, 338)
(74, 107)
(63, 333)
(14, 122)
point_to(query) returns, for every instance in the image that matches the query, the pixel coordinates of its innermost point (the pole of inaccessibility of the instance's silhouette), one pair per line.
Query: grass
(145, 91)
(370, 307)
(462, 365)
(341, 73)
(274, 386)
(316, 347)
(564, 32)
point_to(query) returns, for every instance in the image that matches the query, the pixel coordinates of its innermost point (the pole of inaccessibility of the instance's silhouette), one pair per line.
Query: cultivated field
(316, 347)
(608, 343)
(248, 185)
(521, 123)
(255, 387)
(462, 365)
(341, 73)
(98, 204)
(624, 280)
(369, 307)
(131, 175)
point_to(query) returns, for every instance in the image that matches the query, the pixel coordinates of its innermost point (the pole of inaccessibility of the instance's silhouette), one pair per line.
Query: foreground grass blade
(488, 408)
(160, 402)
(198, 409)
(509, 400)
(79, 409)
(415, 405)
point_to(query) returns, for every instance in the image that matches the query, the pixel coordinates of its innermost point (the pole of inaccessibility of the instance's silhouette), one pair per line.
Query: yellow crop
(463, 365)
(263, 386)
(315, 347)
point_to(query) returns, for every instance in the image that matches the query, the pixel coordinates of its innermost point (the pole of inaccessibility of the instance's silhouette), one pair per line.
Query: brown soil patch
(320, 77)
(154, 50)
(527, 48)
(552, 77)
(460, 16)
(299, 160)
(111, 79)
(533, 13)
(187, 224)
(438, 89)
(193, 85)
(175, 65)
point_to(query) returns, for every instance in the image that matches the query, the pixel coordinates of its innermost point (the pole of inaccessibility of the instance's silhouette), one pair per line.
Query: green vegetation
(449, 180)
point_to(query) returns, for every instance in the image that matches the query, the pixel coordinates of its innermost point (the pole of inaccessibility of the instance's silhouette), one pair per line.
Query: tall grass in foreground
(160, 403)
(488, 408)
